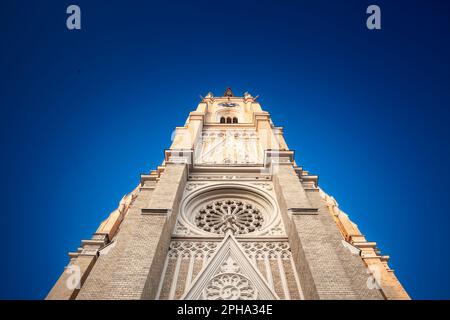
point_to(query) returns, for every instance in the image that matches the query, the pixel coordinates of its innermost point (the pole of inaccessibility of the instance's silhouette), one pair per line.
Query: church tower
(228, 215)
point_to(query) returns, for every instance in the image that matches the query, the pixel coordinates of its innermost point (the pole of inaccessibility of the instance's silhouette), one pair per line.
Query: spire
(228, 93)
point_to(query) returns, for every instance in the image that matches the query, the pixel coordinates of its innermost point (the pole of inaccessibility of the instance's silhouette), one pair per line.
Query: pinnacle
(228, 93)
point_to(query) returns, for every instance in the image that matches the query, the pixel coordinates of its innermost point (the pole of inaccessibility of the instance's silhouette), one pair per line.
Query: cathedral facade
(228, 215)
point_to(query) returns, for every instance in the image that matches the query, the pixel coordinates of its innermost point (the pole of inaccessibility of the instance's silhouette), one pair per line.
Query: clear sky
(83, 113)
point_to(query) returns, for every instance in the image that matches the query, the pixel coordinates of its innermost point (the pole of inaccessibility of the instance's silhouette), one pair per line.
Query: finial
(228, 93)
(247, 95)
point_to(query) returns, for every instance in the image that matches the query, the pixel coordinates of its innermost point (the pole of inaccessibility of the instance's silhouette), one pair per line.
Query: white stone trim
(281, 270)
(297, 281)
(173, 285)
(161, 281)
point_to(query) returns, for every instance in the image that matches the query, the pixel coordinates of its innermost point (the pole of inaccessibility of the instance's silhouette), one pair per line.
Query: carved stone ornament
(193, 186)
(214, 209)
(229, 286)
(234, 215)
(218, 147)
(230, 275)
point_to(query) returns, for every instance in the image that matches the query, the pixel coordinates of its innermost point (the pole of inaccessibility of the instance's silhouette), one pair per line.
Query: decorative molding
(277, 230)
(179, 156)
(303, 211)
(156, 211)
(181, 230)
(265, 185)
(192, 186)
(197, 249)
(271, 250)
(230, 177)
(278, 157)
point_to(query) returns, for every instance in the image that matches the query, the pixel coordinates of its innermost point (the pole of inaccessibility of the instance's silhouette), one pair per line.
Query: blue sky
(83, 113)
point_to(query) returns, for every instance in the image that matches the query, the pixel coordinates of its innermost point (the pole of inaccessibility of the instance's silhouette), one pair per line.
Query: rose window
(230, 287)
(235, 215)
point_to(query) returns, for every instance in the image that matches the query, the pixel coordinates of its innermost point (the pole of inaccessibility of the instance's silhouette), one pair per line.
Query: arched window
(222, 120)
(228, 120)
(235, 120)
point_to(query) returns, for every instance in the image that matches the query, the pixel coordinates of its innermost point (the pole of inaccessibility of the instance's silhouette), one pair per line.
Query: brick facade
(301, 245)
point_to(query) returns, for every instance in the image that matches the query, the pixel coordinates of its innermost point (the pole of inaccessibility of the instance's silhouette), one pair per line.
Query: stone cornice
(303, 211)
(156, 211)
(176, 156)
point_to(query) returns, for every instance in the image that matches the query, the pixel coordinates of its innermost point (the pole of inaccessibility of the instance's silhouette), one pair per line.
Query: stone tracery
(235, 215)
(211, 209)
(230, 286)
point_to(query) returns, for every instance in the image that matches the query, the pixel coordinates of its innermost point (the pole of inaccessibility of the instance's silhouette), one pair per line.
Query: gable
(230, 275)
